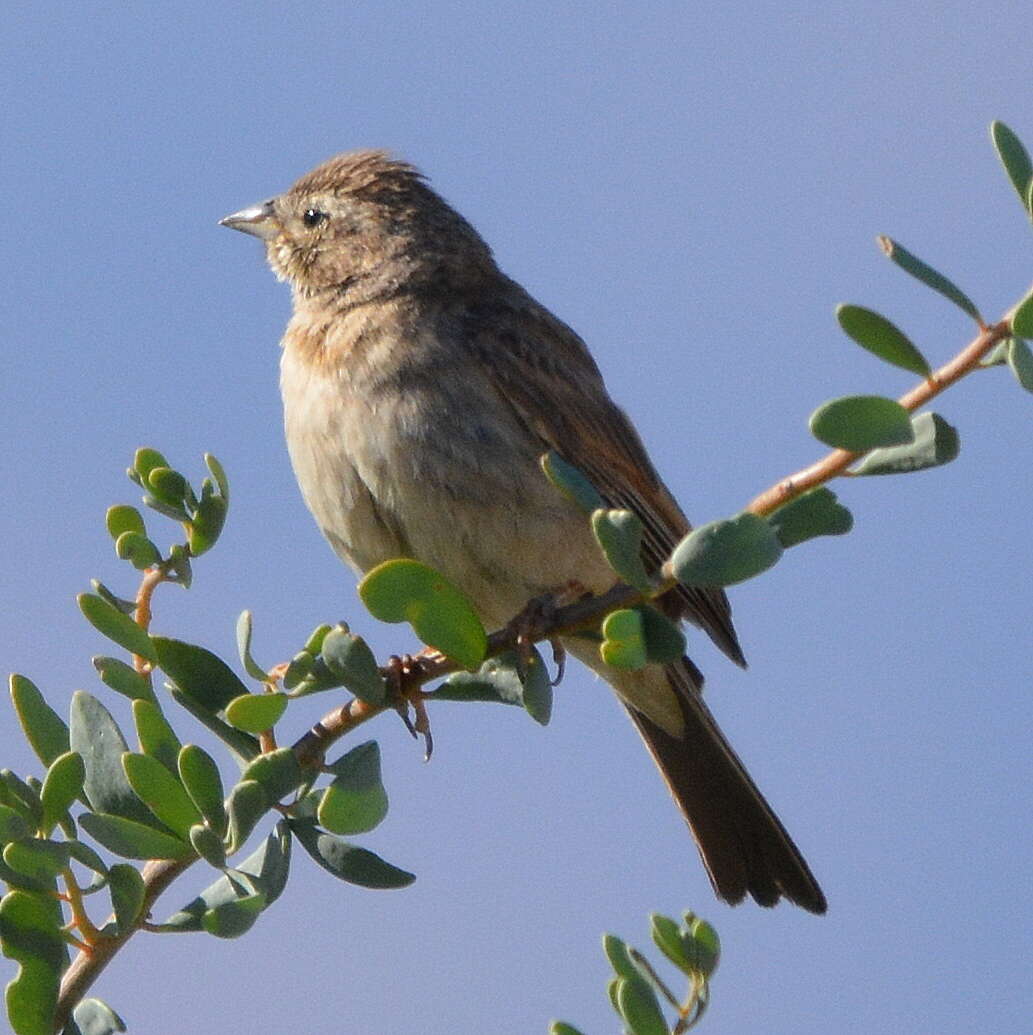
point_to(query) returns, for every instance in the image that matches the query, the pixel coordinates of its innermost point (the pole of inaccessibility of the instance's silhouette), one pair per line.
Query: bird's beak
(258, 220)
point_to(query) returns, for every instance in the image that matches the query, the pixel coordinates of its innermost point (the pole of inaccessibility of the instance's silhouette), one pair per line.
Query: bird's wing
(545, 373)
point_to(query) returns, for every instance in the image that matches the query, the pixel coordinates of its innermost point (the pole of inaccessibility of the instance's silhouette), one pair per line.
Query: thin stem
(836, 462)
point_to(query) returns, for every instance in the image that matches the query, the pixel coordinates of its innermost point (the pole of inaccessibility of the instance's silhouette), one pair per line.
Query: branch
(837, 462)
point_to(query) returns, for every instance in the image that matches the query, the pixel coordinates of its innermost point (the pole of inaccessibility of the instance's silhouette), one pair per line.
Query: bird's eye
(313, 217)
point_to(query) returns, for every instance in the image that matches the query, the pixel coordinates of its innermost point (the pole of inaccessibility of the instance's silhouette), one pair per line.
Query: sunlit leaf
(347, 861)
(351, 661)
(256, 713)
(277, 772)
(858, 423)
(268, 867)
(44, 729)
(619, 535)
(206, 524)
(623, 644)
(30, 935)
(138, 550)
(94, 1017)
(356, 800)
(123, 679)
(722, 553)
(244, 633)
(872, 331)
(61, 786)
(202, 781)
(898, 254)
(935, 443)
(815, 513)
(208, 845)
(96, 736)
(37, 858)
(198, 673)
(116, 626)
(161, 792)
(126, 887)
(404, 590)
(157, 738)
(123, 518)
(1015, 160)
(246, 805)
(133, 840)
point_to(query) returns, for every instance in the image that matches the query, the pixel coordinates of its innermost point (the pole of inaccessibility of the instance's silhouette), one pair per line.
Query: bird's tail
(744, 846)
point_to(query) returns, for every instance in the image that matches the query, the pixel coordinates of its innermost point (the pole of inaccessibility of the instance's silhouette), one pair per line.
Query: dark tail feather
(743, 845)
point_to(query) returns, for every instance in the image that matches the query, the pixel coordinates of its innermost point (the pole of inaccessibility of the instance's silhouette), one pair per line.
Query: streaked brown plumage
(420, 387)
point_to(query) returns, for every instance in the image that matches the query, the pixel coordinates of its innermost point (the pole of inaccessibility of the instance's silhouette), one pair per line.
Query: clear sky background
(693, 187)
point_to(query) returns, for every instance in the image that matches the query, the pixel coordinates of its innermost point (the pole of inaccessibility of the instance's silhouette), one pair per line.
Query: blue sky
(693, 188)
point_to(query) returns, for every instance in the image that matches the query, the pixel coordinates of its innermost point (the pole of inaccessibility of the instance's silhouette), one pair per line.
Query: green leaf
(95, 1017)
(623, 645)
(219, 475)
(206, 524)
(351, 661)
(30, 935)
(346, 861)
(617, 953)
(123, 679)
(898, 254)
(277, 772)
(300, 668)
(722, 553)
(669, 939)
(13, 825)
(234, 918)
(246, 805)
(208, 845)
(22, 797)
(83, 853)
(404, 590)
(96, 736)
(127, 890)
(156, 736)
(161, 792)
(1020, 362)
(815, 513)
(663, 640)
(179, 565)
(61, 786)
(244, 632)
(115, 625)
(44, 729)
(243, 746)
(133, 840)
(537, 696)
(37, 858)
(858, 423)
(256, 713)
(640, 1009)
(198, 673)
(127, 607)
(124, 518)
(874, 332)
(1022, 317)
(168, 486)
(619, 535)
(998, 355)
(138, 550)
(702, 945)
(201, 779)
(356, 800)
(571, 482)
(144, 461)
(267, 867)
(935, 443)
(562, 1028)
(1015, 160)
(504, 679)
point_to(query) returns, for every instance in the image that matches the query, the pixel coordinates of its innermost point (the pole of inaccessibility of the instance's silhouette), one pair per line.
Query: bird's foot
(402, 673)
(536, 620)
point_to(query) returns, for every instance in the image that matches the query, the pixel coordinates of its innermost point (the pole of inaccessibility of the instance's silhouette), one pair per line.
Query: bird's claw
(399, 670)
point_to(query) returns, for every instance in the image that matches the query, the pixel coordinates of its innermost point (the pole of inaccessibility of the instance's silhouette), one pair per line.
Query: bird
(421, 387)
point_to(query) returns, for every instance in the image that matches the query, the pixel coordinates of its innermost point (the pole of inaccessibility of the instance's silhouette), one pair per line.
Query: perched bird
(420, 388)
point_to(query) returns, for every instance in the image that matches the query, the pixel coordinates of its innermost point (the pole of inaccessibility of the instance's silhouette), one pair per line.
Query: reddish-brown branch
(836, 462)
